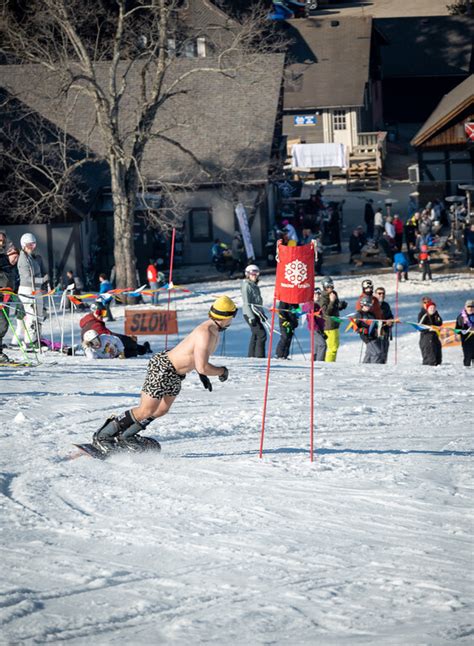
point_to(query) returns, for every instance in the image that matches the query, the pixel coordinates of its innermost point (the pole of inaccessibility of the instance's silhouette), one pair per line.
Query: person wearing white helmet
(32, 278)
(102, 346)
(253, 311)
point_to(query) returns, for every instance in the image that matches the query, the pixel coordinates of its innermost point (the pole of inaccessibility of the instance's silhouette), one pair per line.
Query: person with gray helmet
(253, 311)
(331, 306)
(369, 332)
(32, 278)
(465, 323)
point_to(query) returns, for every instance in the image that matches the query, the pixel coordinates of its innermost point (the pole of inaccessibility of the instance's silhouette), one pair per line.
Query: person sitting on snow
(102, 346)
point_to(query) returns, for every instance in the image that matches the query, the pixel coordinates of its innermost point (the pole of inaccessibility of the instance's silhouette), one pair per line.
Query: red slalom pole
(267, 379)
(170, 280)
(311, 380)
(396, 316)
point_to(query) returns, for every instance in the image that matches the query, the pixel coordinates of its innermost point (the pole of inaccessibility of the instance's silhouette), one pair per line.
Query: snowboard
(15, 364)
(92, 452)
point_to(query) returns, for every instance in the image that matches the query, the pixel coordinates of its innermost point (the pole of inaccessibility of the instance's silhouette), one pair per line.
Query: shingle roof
(448, 108)
(331, 62)
(426, 46)
(225, 122)
(202, 14)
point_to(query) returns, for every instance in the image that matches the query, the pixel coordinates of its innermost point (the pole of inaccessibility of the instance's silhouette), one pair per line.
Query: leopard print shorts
(161, 377)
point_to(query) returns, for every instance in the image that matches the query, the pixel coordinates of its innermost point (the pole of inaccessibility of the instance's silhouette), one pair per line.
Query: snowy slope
(206, 543)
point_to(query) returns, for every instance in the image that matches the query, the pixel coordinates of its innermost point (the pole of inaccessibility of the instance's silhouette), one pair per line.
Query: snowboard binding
(118, 434)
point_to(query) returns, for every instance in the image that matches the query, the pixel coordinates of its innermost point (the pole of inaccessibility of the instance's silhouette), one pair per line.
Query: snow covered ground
(207, 544)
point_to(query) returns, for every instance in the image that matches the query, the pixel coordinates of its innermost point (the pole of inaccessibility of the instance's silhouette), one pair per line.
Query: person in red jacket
(152, 278)
(368, 290)
(95, 321)
(398, 225)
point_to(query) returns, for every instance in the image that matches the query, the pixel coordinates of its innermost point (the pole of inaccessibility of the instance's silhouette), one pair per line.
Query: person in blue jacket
(107, 299)
(400, 265)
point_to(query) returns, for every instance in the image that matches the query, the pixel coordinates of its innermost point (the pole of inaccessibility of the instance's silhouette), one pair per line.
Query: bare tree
(95, 54)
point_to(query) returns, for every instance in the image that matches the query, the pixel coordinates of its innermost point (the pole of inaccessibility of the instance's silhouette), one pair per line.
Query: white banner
(241, 214)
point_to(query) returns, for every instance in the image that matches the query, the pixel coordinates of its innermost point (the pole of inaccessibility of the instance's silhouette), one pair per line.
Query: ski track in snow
(206, 543)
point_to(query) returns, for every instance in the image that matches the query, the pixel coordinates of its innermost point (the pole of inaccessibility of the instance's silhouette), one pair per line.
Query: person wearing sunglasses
(368, 331)
(465, 323)
(165, 373)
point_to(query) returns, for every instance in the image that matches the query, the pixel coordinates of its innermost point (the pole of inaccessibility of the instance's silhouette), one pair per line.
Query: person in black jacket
(369, 217)
(331, 306)
(387, 316)
(430, 344)
(368, 331)
(465, 323)
(356, 242)
(288, 325)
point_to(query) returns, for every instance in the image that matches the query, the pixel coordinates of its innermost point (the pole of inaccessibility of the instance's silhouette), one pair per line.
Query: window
(200, 224)
(339, 119)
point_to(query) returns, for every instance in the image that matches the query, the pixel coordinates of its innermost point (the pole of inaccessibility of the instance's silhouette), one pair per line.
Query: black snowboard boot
(121, 433)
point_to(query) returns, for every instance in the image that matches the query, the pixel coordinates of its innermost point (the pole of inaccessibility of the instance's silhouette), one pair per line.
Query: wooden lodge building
(445, 144)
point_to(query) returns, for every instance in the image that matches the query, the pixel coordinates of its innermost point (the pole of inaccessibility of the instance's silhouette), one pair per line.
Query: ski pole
(72, 327)
(32, 345)
(361, 348)
(10, 325)
(299, 345)
(50, 307)
(63, 307)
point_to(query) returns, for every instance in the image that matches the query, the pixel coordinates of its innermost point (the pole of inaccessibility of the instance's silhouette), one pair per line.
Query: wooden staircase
(364, 172)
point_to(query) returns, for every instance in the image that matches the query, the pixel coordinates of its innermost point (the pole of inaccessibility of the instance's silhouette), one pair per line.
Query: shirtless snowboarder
(166, 370)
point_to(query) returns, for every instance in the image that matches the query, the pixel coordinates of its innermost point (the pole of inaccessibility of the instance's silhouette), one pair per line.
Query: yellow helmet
(223, 308)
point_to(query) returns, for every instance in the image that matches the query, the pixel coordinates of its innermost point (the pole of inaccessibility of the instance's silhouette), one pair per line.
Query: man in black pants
(253, 311)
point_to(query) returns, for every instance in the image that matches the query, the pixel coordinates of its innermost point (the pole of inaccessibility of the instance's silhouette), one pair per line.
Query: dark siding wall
(412, 100)
(308, 134)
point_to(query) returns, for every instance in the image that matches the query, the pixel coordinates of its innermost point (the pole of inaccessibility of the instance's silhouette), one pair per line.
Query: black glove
(342, 305)
(225, 374)
(206, 382)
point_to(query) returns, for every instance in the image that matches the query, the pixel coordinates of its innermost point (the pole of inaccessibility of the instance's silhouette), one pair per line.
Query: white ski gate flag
(244, 228)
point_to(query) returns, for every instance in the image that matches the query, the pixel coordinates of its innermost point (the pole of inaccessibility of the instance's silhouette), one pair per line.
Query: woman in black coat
(430, 345)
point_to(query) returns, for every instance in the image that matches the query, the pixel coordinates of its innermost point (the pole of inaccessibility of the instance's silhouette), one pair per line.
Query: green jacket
(331, 309)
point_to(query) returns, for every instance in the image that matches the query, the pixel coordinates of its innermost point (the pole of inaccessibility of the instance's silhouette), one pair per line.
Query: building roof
(202, 14)
(427, 46)
(328, 62)
(451, 105)
(227, 122)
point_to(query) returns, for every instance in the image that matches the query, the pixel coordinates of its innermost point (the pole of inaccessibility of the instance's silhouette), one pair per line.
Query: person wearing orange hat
(166, 371)
(430, 344)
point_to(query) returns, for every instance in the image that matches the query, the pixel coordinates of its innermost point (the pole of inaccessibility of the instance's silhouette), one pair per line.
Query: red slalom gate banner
(294, 285)
(295, 274)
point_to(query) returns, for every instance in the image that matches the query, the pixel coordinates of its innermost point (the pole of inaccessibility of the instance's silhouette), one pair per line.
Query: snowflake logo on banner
(296, 272)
